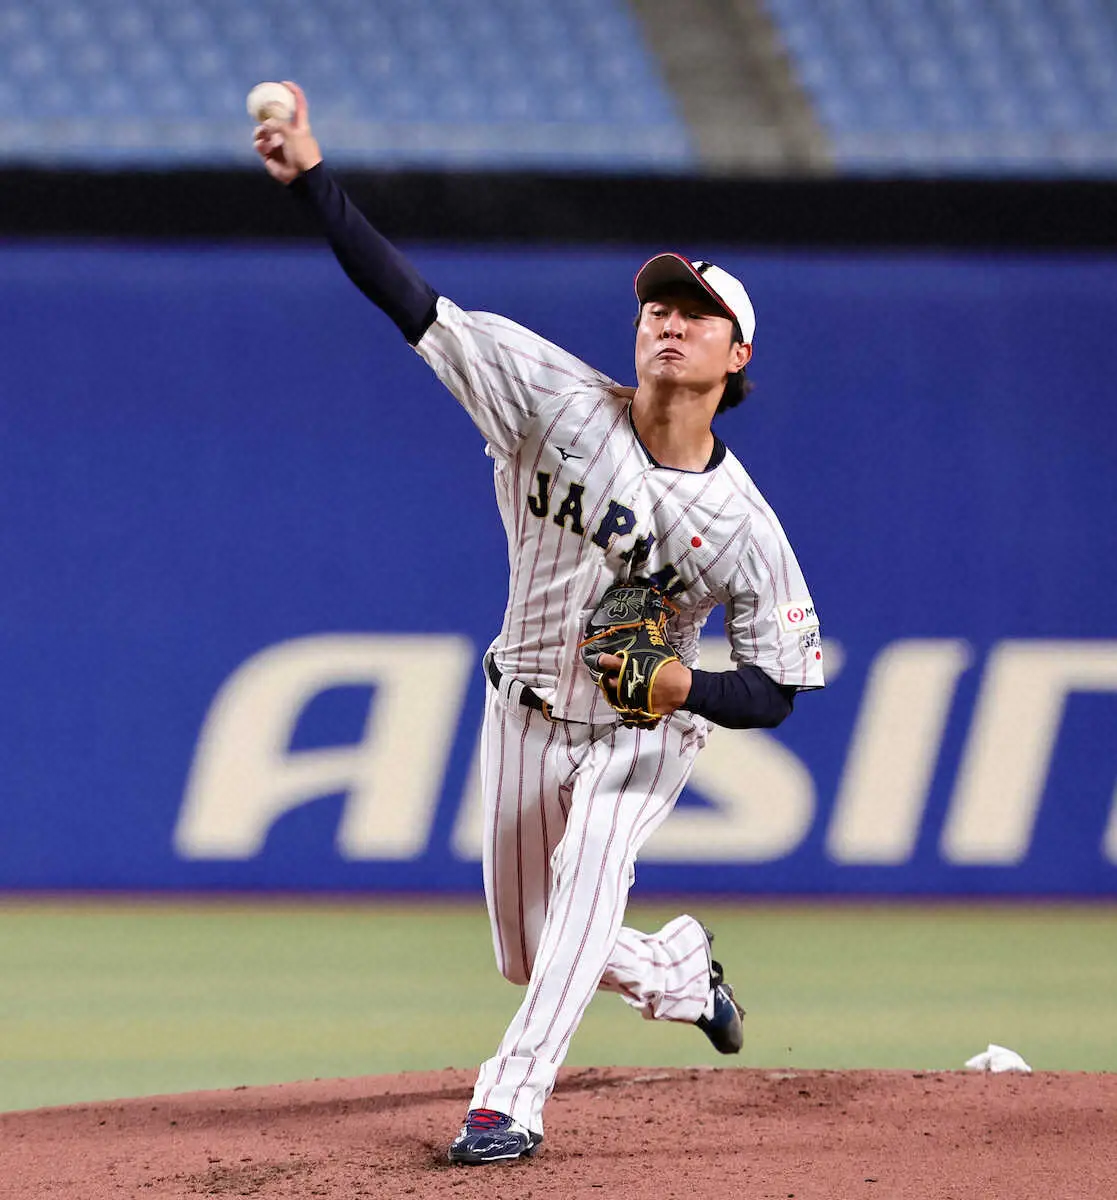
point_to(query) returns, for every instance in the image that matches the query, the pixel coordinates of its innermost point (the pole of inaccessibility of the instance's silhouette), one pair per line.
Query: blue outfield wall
(250, 556)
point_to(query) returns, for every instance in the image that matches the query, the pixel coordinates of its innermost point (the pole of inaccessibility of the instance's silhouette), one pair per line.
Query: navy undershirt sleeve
(366, 256)
(747, 698)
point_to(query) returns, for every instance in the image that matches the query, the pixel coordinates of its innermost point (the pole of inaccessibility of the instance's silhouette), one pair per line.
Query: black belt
(527, 696)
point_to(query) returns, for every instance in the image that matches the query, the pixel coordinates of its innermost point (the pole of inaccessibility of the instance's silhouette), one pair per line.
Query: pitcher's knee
(513, 967)
(583, 861)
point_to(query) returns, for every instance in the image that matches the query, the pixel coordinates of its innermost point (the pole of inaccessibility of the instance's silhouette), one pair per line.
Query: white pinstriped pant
(567, 807)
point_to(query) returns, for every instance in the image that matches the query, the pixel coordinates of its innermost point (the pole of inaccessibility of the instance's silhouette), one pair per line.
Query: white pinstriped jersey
(584, 505)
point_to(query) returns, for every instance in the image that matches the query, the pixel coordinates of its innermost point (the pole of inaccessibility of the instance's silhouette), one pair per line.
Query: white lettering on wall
(1008, 752)
(760, 798)
(245, 777)
(881, 799)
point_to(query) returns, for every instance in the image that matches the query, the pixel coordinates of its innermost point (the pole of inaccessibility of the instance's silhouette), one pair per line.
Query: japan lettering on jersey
(584, 505)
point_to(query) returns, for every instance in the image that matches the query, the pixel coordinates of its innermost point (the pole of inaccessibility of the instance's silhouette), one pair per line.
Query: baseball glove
(630, 622)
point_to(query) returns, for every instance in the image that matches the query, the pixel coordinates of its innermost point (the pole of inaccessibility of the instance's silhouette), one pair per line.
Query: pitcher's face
(685, 337)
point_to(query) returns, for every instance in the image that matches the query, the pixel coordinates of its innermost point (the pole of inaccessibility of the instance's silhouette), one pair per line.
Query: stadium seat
(959, 86)
(487, 83)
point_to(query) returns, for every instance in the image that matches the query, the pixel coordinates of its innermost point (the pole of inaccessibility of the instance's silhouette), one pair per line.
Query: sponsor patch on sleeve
(797, 616)
(811, 640)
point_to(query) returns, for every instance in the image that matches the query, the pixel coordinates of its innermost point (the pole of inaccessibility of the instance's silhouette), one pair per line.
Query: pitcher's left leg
(666, 974)
(627, 785)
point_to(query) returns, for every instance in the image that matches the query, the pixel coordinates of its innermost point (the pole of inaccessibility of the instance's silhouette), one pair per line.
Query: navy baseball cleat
(723, 1027)
(489, 1136)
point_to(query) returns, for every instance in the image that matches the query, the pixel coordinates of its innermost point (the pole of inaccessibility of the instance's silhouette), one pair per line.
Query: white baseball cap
(729, 292)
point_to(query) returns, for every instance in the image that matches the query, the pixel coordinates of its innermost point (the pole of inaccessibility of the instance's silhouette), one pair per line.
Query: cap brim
(666, 269)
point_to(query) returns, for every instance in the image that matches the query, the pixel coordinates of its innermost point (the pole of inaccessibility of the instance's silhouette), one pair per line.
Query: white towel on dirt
(996, 1059)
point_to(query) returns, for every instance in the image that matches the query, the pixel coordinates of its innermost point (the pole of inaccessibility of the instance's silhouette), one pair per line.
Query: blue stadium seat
(567, 84)
(960, 86)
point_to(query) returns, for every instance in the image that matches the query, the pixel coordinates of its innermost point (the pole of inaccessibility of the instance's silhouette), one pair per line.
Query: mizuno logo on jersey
(618, 521)
(566, 453)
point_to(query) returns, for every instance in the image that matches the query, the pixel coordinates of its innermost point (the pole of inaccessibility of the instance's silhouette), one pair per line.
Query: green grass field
(102, 1000)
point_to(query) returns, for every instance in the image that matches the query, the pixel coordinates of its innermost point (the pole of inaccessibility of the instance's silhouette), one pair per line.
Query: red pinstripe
(752, 623)
(580, 552)
(768, 518)
(640, 835)
(670, 997)
(501, 369)
(495, 321)
(641, 952)
(543, 441)
(543, 764)
(780, 643)
(569, 754)
(536, 533)
(558, 941)
(481, 403)
(520, 846)
(570, 896)
(493, 852)
(540, 541)
(598, 885)
(708, 482)
(621, 895)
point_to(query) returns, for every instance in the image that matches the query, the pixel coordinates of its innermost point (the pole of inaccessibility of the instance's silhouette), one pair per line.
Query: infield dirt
(671, 1134)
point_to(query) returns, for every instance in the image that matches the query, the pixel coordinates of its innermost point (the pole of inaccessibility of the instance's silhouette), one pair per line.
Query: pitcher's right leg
(523, 760)
(626, 784)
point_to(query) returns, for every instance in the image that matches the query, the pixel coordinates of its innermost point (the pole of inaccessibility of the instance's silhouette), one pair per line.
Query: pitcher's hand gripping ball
(268, 100)
(630, 621)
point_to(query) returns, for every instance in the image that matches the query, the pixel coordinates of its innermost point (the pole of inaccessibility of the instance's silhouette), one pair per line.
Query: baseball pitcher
(628, 521)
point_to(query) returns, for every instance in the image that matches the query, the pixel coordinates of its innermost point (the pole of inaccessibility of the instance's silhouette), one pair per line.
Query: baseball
(271, 100)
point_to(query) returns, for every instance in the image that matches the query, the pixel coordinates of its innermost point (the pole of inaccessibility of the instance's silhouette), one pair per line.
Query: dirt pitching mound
(671, 1134)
